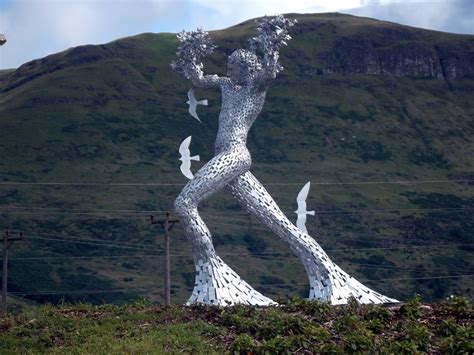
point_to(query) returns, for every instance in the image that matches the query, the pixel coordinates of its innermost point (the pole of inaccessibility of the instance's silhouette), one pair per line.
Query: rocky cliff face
(398, 53)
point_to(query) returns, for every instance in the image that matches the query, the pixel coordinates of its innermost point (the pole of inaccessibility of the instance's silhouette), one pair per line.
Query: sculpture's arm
(193, 46)
(272, 35)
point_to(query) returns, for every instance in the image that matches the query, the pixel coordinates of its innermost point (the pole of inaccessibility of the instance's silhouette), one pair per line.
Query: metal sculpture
(249, 73)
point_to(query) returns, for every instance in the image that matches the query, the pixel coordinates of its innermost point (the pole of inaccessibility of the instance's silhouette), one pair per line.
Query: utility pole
(167, 224)
(8, 240)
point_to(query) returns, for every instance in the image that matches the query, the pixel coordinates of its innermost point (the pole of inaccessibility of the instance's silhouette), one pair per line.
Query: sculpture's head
(242, 65)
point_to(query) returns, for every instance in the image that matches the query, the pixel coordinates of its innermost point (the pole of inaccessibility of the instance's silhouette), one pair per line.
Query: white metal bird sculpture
(301, 211)
(192, 102)
(186, 158)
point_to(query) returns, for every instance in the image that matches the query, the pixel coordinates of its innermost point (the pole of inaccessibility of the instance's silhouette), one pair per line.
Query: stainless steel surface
(249, 73)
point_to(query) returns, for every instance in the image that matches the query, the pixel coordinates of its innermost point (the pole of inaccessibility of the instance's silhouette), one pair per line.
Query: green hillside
(360, 101)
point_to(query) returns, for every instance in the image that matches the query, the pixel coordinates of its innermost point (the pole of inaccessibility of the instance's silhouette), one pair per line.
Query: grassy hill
(296, 327)
(107, 120)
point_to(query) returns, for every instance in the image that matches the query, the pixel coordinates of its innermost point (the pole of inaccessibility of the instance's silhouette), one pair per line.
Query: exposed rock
(358, 54)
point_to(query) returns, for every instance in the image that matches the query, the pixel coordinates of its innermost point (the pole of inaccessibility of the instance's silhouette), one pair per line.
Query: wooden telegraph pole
(167, 223)
(8, 240)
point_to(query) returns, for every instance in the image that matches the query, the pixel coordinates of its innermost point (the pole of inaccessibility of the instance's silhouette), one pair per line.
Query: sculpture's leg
(328, 282)
(216, 283)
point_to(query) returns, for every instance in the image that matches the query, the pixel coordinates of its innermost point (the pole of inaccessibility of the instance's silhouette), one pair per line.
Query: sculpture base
(217, 284)
(343, 287)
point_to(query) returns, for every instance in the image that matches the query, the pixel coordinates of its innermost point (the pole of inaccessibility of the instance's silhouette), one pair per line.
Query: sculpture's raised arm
(193, 46)
(272, 35)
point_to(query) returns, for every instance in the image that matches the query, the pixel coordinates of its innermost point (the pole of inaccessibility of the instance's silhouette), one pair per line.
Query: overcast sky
(36, 28)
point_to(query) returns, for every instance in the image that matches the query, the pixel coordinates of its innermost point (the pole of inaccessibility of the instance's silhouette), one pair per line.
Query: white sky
(36, 28)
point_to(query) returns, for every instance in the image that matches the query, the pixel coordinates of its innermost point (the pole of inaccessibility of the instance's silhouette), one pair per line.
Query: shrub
(402, 347)
(460, 343)
(359, 340)
(316, 309)
(316, 333)
(412, 308)
(458, 305)
(347, 323)
(447, 327)
(375, 325)
(376, 312)
(243, 343)
(419, 335)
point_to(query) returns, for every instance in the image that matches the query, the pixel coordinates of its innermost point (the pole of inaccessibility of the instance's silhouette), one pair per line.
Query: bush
(448, 327)
(359, 340)
(459, 305)
(375, 325)
(459, 343)
(376, 312)
(316, 309)
(412, 308)
(243, 343)
(419, 335)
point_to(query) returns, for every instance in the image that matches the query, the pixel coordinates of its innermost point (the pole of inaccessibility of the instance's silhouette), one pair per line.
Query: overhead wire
(278, 254)
(144, 289)
(59, 211)
(130, 184)
(363, 265)
(82, 238)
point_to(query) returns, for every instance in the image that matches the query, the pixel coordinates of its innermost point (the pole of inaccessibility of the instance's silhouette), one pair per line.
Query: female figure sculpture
(243, 96)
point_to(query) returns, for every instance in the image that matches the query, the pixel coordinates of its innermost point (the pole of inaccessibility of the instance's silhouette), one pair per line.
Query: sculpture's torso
(240, 107)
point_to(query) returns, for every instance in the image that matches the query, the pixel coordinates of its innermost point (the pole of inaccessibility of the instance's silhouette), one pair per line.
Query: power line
(69, 237)
(83, 239)
(88, 257)
(419, 278)
(120, 290)
(79, 210)
(378, 280)
(89, 243)
(365, 265)
(396, 182)
(86, 184)
(348, 235)
(440, 245)
(43, 211)
(135, 245)
(212, 223)
(88, 292)
(430, 246)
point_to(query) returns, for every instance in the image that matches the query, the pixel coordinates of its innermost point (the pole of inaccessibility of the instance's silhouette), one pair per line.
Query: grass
(295, 326)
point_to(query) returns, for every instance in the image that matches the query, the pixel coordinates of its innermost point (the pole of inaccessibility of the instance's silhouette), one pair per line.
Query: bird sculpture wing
(186, 169)
(192, 104)
(186, 158)
(184, 148)
(301, 198)
(301, 222)
(192, 111)
(301, 212)
(191, 97)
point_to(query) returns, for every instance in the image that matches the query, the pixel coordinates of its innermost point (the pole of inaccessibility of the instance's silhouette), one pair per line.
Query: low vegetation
(298, 326)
